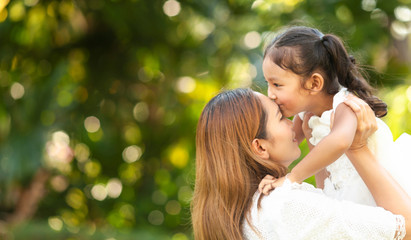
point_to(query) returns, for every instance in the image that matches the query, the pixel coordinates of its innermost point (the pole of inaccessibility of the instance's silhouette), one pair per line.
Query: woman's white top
(301, 211)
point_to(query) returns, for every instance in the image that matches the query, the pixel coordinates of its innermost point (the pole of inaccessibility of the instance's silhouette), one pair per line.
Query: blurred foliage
(104, 95)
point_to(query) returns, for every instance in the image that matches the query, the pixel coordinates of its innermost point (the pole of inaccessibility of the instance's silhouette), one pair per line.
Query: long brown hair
(304, 50)
(227, 170)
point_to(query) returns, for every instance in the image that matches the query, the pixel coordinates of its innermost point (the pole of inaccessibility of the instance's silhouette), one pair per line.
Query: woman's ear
(259, 148)
(315, 83)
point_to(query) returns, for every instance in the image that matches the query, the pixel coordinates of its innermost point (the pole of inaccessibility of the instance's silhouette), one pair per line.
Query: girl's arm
(330, 148)
(322, 174)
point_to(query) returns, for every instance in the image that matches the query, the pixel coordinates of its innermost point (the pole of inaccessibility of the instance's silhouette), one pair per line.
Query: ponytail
(348, 74)
(304, 50)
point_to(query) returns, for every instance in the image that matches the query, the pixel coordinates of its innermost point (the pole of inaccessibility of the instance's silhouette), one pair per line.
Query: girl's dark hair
(304, 50)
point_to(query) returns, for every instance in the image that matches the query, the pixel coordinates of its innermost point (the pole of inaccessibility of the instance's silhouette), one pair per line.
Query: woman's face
(281, 143)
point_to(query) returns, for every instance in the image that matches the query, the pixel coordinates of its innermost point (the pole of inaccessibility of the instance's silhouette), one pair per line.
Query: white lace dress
(344, 183)
(301, 211)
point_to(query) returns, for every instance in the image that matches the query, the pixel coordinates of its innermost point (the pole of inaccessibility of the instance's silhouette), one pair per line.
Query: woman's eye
(276, 84)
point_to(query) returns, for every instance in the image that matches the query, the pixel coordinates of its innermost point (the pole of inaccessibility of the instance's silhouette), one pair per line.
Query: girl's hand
(366, 122)
(269, 183)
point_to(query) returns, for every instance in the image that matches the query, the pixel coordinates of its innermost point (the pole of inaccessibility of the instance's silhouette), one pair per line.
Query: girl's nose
(271, 95)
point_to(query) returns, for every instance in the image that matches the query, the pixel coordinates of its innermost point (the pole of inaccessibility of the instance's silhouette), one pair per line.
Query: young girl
(308, 71)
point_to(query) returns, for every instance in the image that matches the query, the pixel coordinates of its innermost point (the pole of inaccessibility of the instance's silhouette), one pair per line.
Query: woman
(241, 137)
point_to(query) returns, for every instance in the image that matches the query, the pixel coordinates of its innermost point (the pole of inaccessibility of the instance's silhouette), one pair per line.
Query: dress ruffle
(344, 183)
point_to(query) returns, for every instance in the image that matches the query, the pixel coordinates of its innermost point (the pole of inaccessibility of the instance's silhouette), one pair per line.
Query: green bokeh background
(100, 100)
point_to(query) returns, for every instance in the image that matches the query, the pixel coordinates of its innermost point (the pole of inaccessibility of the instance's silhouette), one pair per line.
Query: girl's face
(281, 144)
(284, 87)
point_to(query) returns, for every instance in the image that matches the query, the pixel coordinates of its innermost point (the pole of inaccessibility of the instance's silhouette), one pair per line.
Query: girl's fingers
(265, 185)
(269, 177)
(268, 187)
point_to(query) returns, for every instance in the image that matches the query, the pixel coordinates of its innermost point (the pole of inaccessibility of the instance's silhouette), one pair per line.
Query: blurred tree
(100, 99)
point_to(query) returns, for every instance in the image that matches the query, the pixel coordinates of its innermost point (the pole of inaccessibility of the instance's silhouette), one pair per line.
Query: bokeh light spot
(31, 3)
(156, 217)
(252, 39)
(17, 11)
(55, 223)
(171, 8)
(132, 153)
(132, 134)
(368, 5)
(186, 84)
(179, 236)
(114, 188)
(408, 92)
(99, 192)
(159, 197)
(3, 4)
(75, 198)
(92, 169)
(17, 91)
(185, 194)
(59, 183)
(344, 14)
(403, 13)
(64, 98)
(179, 156)
(3, 15)
(81, 152)
(173, 207)
(127, 211)
(92, 124)
(130, 173)
(59, 152)
(141, 112)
